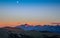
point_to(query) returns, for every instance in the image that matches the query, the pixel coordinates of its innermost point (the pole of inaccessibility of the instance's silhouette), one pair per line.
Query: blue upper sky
(30, 1)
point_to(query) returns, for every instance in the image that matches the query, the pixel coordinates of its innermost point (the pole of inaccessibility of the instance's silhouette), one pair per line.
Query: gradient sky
(14, 12)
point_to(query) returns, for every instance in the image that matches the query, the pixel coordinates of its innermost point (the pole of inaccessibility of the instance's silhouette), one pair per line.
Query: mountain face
(12, 32)
(55, 29)
(28, 31)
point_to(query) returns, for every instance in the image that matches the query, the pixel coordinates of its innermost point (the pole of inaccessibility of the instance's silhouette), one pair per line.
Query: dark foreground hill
(12, 32)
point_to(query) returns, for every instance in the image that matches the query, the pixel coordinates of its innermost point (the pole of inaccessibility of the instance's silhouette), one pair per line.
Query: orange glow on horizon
(19, 23)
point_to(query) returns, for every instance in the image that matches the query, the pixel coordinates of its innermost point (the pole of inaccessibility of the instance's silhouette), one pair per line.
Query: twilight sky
(14, 12)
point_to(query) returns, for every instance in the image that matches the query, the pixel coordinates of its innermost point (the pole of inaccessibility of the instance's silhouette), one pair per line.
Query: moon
(17, 2)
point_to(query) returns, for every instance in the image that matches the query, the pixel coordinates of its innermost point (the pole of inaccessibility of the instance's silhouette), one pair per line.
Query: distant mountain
(55, 29)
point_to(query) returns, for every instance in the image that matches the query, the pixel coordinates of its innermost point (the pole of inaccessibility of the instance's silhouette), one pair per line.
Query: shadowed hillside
(12, 32)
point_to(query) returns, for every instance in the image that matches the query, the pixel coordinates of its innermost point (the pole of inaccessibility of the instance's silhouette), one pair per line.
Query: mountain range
(29, 31)
(49, 28)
